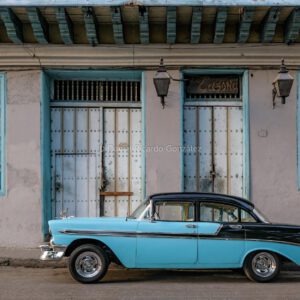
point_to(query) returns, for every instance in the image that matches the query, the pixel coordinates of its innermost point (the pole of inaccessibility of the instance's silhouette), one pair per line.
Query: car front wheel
(88, 263)
(263, 266)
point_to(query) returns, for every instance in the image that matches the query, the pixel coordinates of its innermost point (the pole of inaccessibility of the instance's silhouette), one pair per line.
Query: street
(47, 283)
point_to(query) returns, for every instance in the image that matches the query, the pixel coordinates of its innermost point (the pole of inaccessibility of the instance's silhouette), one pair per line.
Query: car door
(170, 238)
(221, 240)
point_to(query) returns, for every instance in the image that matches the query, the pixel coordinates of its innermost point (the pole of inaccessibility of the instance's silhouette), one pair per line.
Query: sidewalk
(25, 257)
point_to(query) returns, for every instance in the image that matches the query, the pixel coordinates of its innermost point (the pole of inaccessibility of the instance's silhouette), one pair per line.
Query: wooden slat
(171, 24)
(144, 24)
(12, 24)
(90, 25)
(292, 26)
(220, 25)
(117, 25)
(245, 25)
(39, 25)
(65, 25)
(116, 193)
(196, 24)
(269, 25)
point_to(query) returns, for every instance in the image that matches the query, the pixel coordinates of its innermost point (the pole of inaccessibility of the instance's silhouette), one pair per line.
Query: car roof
(228, 199)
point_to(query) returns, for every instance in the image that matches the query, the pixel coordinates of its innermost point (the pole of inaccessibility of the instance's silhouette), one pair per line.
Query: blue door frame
(246, 136)
(45, 148)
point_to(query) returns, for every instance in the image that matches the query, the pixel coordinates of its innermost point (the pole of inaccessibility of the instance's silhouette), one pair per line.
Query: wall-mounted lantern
(282, 84)
(161, 82)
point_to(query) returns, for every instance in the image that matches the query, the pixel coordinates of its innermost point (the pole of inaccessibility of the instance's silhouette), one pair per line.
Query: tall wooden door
(213, 156)
(96, 161)
(76, 150)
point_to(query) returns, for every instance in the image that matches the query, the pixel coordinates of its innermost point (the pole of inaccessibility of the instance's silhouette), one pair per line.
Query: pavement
(48, 283)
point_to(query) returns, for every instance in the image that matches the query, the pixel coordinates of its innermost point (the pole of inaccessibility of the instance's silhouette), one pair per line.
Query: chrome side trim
(168, 235)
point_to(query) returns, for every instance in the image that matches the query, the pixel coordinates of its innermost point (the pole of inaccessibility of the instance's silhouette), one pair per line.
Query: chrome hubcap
(88, 264)
(264, 264)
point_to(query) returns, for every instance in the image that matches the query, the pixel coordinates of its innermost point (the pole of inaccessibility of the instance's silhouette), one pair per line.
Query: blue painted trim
(144, 132)
(45, 152)
(298, 130)
(246, 136)
(246, 125)
(213, 3)
(182, 132)
(3, 133)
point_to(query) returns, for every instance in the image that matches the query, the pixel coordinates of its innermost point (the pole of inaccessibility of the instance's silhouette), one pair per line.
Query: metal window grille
(91, 90)
(217, 96)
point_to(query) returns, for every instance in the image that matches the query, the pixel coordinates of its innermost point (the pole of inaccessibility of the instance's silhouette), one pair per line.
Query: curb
(37, 263)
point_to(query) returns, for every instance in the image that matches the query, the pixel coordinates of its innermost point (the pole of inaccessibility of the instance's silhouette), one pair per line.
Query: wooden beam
(196, 24)
(65, 25)
(12, 24)
(90, 24)
(220, 25)
(39, 25)
(117, 24)
(171, 24)
(144, 24)
(292, 26)
(269, 25)
(245, 24)
(116, 193)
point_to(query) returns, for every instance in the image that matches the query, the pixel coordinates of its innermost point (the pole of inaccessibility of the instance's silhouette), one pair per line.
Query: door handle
(236, 226)
(191, 226)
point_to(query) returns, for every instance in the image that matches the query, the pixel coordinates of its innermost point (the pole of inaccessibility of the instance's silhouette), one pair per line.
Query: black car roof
(202, 197)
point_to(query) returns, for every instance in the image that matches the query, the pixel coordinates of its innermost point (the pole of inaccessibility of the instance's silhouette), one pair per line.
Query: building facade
(83, 132)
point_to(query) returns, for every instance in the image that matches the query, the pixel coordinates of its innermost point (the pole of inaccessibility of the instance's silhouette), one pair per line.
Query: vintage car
(176, 231)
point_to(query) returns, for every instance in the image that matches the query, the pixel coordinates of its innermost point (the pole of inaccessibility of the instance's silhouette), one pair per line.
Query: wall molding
(148, 56)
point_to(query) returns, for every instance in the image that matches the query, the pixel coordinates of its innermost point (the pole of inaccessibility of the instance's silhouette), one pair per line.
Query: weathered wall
(20, 209)
(162, 133)
(273, 150)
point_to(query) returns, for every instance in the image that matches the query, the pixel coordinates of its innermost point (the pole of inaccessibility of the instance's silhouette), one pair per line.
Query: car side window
(218, 212)
(174, 211)
(247, 217)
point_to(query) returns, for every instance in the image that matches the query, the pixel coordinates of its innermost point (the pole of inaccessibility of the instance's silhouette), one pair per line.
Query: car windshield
(139, 210)
(261, 216)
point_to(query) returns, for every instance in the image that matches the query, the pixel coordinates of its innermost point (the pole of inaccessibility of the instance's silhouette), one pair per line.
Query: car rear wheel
(88, 263)
(263, 266)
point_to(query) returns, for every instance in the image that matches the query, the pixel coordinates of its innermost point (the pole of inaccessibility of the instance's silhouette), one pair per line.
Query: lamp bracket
(274, 94)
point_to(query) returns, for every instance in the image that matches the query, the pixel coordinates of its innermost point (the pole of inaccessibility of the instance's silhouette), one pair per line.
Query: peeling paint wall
(20, 209)
(273, 150)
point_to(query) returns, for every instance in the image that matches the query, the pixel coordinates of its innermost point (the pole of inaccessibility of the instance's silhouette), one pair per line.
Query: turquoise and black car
(179, 231)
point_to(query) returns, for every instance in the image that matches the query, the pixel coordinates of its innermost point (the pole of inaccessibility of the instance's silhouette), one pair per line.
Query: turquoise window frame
(298, 129)
(3, 134)
(45, 82)
(246, 138)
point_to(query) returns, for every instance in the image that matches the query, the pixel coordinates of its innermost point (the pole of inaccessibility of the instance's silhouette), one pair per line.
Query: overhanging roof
(136, 24)
(149, 2)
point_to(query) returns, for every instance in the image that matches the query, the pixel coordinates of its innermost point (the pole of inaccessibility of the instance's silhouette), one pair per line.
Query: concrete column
(162, 133)
(20, 209)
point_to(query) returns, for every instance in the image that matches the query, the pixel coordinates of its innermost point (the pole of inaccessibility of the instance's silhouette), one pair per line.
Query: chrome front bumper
(50, 252)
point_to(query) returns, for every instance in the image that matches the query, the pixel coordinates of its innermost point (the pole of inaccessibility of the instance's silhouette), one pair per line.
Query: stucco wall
(273, 150)
(20, 209)
(162, 134)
